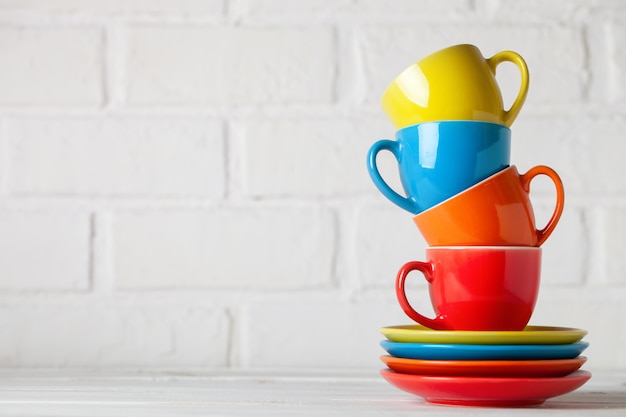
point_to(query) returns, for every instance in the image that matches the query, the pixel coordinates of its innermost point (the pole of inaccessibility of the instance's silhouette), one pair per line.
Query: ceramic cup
(476, 288)
(437, 160)
(496, 211)
(456, 83)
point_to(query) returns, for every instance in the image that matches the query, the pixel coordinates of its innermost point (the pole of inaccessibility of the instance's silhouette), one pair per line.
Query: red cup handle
(526, 178)
(426, 269)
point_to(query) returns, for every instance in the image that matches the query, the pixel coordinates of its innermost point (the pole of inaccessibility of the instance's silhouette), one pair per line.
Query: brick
(310, 157)
(112, 156)
(116, 7)
(585, 152)
(280, 9)
(609, 68)
(430, 8)
(599, 311)
(46, 65)
(538, 11)
(97, 334)
(251, 248)
(194, 65)
(44, 251)
(613, 232)
(548, 141)
(570, 240)
(317, 333)
(385, 239)
(388, 50)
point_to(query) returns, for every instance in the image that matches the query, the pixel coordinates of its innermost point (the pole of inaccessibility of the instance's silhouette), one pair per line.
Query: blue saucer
(433, 351)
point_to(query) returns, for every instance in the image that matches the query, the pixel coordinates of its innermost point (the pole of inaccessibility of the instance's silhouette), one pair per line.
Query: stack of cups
(472, 207)
(453, 146)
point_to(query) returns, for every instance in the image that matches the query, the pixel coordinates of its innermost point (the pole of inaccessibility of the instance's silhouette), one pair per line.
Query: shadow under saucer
(588, 400)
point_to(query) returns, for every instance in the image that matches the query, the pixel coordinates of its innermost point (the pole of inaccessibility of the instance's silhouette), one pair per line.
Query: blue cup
(437, 160)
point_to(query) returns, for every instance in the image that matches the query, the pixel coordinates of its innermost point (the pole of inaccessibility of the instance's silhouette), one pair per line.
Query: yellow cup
(456, 83)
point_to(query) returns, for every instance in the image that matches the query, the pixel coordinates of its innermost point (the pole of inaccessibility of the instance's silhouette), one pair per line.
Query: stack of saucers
(485, 368)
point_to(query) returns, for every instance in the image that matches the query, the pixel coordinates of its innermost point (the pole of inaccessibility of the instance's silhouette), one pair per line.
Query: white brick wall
(110, 333)
(115, 156)
(51, 65)
(98, 8)
(46, 251)
(222, 65)
(237, 248)
(307, 158)
(183, 183)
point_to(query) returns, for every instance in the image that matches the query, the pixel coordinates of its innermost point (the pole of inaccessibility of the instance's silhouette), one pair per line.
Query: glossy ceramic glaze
(541, 335)
(496, 211)
(476, 287)
(456, 83)
(440, 159)
(448, 351)
(486, 391)
(491, 368)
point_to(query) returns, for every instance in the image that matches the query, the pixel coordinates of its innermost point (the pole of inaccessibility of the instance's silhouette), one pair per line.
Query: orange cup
(495, 212)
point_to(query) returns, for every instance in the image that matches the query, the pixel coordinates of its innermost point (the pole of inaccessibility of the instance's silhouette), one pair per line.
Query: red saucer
(486, 391)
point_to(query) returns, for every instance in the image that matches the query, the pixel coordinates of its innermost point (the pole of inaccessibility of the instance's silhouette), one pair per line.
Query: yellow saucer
(531, 335)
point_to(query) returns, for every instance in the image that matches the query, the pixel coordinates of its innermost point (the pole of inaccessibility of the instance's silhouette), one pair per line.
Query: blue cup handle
(393, 147)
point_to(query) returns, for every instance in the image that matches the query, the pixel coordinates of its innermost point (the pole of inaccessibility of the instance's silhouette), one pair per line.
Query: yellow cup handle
(508, 116)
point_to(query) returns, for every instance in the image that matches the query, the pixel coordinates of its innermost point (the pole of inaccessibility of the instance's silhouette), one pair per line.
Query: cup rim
(454, 121)
(485, 248)
(489, 178)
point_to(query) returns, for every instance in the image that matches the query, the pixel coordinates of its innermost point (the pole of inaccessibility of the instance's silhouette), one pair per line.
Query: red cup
(476, 287)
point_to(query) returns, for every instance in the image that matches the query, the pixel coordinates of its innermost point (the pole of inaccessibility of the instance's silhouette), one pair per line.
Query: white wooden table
(231, 393)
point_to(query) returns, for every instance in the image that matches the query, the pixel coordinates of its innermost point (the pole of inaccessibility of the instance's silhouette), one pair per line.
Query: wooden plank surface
(63, 393)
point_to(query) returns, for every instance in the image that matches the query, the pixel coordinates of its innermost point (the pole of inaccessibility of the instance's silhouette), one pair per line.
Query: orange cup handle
(426, 269)
(526, 178)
